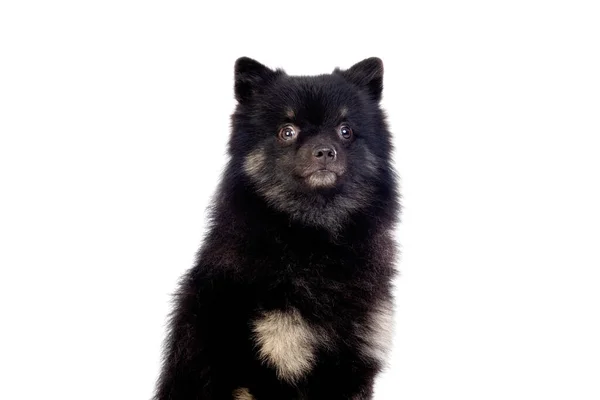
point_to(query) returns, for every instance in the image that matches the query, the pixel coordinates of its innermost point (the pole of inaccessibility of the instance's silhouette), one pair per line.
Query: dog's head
(315, 147)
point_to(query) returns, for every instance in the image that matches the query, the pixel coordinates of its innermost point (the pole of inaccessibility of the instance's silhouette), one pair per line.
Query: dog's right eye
(288, 132)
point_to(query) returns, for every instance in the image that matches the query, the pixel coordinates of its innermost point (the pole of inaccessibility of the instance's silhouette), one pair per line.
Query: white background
(114, 117)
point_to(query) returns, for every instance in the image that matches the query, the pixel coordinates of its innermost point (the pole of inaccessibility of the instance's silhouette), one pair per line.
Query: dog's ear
(368, 75)
(249, 76)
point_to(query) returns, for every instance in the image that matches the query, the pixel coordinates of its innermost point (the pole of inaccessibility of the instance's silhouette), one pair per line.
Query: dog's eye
(288, 132)
(345, 132)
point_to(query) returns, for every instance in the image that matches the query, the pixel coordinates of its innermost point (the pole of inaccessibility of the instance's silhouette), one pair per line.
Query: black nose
(325, 153)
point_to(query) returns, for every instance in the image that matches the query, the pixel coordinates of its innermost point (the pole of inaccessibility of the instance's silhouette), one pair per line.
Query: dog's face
(313, 147)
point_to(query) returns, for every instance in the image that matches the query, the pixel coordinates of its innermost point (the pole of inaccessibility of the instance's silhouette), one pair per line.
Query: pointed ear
(249, 76)
(368, 75)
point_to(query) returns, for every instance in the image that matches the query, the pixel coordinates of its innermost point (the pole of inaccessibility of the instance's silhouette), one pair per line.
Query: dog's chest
(287, 342)
(336, 311)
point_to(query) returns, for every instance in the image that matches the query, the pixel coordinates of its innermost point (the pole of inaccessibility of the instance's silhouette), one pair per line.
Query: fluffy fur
(291, 294)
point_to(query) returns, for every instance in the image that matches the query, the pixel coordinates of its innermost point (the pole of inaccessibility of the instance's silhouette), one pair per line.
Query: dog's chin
(321, 179)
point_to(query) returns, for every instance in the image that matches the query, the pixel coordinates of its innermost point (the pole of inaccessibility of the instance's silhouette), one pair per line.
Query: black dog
(291, 296)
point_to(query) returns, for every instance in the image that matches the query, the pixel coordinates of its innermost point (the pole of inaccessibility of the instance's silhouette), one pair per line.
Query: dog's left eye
(287, 133)
(345, 132)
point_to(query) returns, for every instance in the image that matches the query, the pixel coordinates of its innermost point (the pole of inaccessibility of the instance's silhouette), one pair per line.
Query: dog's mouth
(321, 178)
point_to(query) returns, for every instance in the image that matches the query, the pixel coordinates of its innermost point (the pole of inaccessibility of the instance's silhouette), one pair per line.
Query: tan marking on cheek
(286, 342)
(254, 162)
(370, 161)
(242, 394)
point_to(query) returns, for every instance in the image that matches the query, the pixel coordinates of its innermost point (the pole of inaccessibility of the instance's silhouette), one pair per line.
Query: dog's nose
(325, 153)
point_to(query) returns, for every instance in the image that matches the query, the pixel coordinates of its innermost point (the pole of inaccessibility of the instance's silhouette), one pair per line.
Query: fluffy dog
(291, 294)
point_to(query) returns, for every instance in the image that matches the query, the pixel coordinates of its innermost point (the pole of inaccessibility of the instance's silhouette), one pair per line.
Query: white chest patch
(286, 342)
(378, 332)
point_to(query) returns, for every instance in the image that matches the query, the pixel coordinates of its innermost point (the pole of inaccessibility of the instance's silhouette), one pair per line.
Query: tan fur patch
(242, 394)
(290, 113)
(254, 162)
(379, 332)
(370, 161)
(321, 179)
(286, 342)
(344, 112)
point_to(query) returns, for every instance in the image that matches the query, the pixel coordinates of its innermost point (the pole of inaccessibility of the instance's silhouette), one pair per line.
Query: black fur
(285, 239)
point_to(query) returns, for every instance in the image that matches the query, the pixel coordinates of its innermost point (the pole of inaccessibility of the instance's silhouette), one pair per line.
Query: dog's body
(291, 296)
